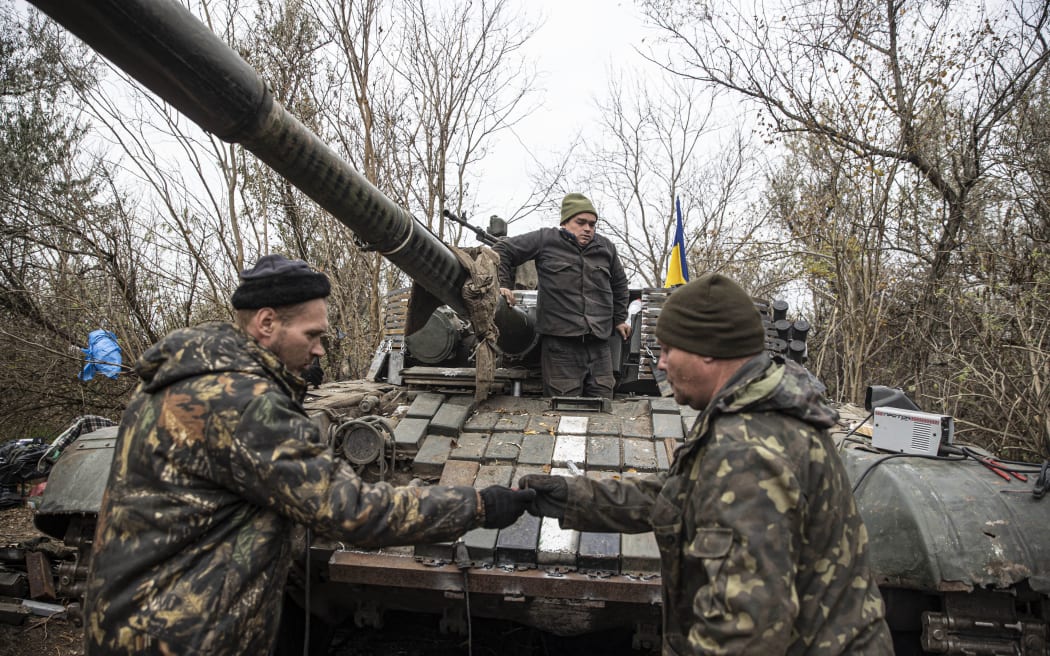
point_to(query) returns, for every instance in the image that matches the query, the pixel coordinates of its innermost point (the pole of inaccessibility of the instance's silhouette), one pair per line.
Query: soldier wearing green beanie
(762, 549)
(574, 204)
(712, 316)
(581, 300)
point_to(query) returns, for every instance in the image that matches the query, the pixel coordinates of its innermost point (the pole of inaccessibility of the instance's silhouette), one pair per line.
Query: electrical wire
(470, 627)
(846, 438)
(878, 462)
(961, 453)
(1015, 466)
(1019, 463)
(967, 450)
(306, 596)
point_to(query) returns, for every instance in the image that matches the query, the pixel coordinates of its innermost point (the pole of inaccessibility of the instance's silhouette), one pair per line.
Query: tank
(961, 555)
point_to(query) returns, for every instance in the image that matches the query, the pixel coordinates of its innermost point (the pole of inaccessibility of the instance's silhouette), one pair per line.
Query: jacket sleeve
(620, 291)
(278, 460)
(612, 505)
(514, 251)
(744, 553)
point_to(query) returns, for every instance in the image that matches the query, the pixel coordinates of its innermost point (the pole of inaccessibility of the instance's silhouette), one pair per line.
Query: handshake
(540, 495)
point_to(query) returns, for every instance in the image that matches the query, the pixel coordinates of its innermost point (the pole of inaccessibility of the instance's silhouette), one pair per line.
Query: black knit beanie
(711, 316)
(574, 204)
(276, 281)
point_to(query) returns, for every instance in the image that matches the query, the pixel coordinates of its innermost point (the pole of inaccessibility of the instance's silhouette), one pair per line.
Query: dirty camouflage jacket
(582, 289)
(762, 547)
(215, 464)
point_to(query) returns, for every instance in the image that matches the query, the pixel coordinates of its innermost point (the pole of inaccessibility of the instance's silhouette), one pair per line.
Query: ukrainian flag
(678, 267)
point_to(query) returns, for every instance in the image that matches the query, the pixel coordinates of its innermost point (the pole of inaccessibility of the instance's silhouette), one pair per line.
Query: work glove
(503, 505)
(552, 493)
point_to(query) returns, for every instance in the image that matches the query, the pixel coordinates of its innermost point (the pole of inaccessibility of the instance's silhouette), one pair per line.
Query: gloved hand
(503, 505)
(552, 493)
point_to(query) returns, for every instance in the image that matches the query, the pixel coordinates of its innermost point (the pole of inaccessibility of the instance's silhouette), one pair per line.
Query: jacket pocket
(711, 543)
(709, 551)
(554, 267)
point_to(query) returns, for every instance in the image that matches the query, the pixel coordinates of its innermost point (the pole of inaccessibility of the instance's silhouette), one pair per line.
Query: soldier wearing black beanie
(217, 461)
(276, 281)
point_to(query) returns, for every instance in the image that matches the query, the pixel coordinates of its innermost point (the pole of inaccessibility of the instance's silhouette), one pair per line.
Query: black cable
(1042, 482)
(878, 462)
(963, 451)
(846, 438)
(306, 586)
(1032, 468)
(470, 628)
(461, 557)
(996, 462)
(1015, 462)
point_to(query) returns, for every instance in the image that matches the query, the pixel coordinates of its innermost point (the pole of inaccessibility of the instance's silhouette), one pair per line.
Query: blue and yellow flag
(678, 267)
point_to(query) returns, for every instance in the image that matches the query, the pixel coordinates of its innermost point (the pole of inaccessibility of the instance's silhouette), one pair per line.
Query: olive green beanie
(711, 316)
(574, 204)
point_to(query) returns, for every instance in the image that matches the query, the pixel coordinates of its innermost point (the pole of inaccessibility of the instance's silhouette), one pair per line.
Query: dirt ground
(41, 637)
(38, 636)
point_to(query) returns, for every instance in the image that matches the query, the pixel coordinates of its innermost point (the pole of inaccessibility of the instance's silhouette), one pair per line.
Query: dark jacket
(215, 464)
(582, 290)
(762, 548)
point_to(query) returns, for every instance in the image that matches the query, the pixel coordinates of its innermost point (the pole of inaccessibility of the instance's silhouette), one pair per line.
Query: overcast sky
(572, 53)
(575, 46)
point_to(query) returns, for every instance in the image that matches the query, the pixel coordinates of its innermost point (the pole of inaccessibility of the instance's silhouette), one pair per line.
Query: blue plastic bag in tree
(102, 354)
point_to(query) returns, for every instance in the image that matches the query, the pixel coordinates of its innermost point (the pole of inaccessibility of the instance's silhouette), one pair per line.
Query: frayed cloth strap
(481, 296)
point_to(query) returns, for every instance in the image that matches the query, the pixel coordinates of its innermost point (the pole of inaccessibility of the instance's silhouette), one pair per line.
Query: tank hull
(960, 555)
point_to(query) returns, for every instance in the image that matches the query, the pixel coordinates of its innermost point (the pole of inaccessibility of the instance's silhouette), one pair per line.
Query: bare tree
(133, 219)
(416, 90)
(898, 92)
(840, 226)
(360, 107)
(660, 140)
(928, 85)
(64, 270)
(999, 363)
(466, 82)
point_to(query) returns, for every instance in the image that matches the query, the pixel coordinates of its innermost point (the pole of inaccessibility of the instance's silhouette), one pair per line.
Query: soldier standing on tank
(216, 463)
(581, 301)
(762, 548)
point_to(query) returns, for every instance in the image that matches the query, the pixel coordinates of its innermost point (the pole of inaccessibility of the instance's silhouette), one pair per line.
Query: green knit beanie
(574, 204)
(711, 316)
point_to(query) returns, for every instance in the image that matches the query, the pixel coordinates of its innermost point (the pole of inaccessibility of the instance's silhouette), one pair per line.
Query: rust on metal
(38, 567)
(398, 571)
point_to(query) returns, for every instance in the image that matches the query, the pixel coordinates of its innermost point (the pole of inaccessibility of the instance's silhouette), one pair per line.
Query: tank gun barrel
(167, 49)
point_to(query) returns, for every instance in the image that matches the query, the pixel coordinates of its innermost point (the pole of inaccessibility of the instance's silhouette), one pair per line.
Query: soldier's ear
(263, 325)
